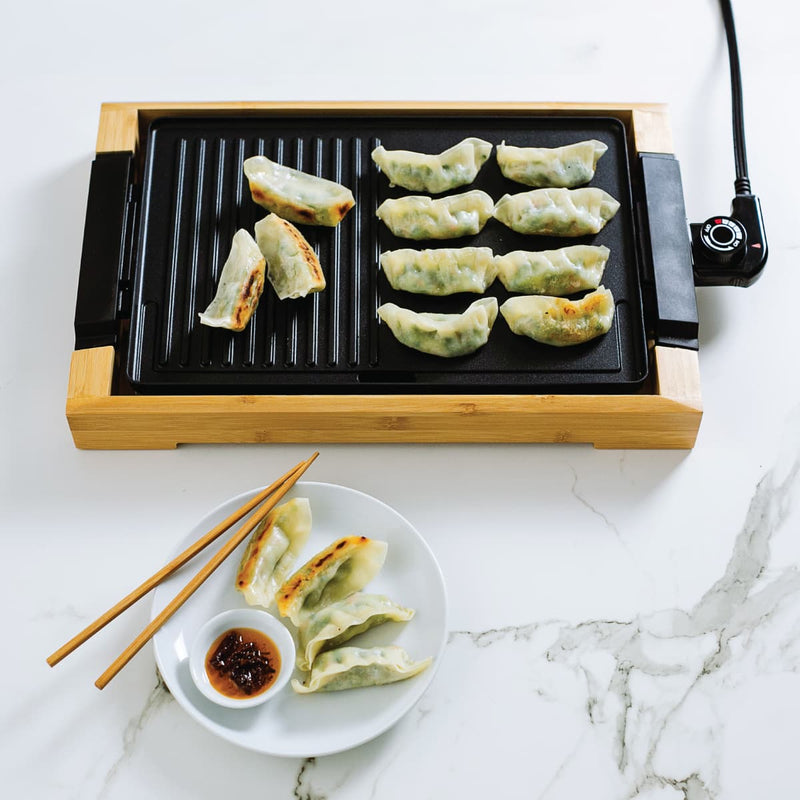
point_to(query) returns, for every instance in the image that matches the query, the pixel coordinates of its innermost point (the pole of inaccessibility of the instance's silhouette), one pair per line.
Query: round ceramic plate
(314, 724)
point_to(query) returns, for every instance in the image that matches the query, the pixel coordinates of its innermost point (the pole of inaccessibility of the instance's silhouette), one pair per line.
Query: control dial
(723, 239)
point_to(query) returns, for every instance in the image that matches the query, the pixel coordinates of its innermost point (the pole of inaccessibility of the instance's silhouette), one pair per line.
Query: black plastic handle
(106, 236)
(667, 251)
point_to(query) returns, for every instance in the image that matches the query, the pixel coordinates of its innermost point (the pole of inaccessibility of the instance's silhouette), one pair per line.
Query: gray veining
(665, 665)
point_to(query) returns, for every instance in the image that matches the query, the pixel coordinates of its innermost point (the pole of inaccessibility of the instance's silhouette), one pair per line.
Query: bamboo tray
(103, 414)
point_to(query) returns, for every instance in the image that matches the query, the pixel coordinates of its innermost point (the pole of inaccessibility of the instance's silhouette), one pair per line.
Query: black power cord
(742, 183)
(732, 250)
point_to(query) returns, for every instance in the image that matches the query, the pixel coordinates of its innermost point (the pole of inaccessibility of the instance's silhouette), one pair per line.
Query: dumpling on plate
(421, 172)
(555, 272)
(560, 322)
(443, 271)
(445, 335)
(272, 551)
(568, 166)
(295, 195)
(337, 623)
(421, 217)
(346, 566)
(240, 285)
(355, 667)
(557, 212)
(293, 268)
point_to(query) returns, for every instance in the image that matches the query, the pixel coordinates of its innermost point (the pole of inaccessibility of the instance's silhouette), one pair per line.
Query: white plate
(315, 724)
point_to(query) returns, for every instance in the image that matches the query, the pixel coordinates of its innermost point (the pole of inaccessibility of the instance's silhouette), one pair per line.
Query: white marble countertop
(621, 623)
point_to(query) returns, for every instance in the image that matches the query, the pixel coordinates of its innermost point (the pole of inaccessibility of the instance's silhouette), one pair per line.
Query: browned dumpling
(346, 566)
(240, 286)
(560, 322)
(293, 268)
(295, 195)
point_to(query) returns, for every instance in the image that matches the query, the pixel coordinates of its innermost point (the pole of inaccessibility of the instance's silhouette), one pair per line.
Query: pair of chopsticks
(274, 492)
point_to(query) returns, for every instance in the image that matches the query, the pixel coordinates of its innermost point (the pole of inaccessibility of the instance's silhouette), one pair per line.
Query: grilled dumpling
(295, 195)
(355, 667)
(339, 622)
(555, 272)
(344, 567)
(557, 212)
(240, 286)
(440, 272)
(446, 335)
(421, 217)
(420, 172)
(272, 551)
(293, 268)
(560, 322)
(568, 166)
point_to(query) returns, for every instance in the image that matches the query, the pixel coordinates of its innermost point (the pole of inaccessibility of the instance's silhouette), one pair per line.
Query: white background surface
(623, 624)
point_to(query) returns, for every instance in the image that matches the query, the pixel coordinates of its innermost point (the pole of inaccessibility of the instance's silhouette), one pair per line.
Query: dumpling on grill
(557, 212)
(421, 217)
(295, 195)
(356, 667)
(421, 172)
(272, 551)
(346, 566)
(293, 268)
(568, 166)
(240, 285)
(446, 335)
(443, 271)
(556, 272)
(560, 322)
(337, 623)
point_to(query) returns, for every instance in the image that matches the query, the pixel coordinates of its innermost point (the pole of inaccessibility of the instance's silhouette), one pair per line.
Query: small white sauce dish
(241, 618)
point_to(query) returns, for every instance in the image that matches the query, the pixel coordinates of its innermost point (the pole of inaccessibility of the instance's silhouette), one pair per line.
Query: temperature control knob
(723, 239)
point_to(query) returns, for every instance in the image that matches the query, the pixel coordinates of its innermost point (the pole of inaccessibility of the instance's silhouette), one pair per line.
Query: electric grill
(167, 193)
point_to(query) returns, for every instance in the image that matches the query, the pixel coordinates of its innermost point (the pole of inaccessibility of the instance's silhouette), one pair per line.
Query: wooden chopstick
(141, 590)
(188, 590)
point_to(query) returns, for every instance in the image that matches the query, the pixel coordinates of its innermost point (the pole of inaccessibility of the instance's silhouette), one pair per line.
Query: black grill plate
(194, 197)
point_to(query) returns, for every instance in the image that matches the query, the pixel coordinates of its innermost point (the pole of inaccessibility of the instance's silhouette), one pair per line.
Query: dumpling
(272, 551)
(440, 272)
(557, 212)
(293, 268)
(295, 195)
(421, 217)
(568, 166)
(446, 335)
(456, 166)
(354, 667)
(240, 286)
(560, 322)
(344, 567)
(556, 272)
(339, 622)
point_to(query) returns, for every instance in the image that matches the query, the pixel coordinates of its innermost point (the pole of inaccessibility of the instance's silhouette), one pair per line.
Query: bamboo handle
(201, 576)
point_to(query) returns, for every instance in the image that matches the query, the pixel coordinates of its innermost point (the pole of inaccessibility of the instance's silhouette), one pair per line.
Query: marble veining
(652, 684)
(156, 700)
(303, 789)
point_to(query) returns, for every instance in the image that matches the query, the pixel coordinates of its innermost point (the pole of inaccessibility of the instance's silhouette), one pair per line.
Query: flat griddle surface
(194, 197)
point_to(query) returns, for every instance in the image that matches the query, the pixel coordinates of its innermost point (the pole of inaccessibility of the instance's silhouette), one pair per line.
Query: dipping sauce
(242, 662)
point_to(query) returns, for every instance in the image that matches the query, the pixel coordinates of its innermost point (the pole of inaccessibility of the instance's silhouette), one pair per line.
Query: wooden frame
(666, 414)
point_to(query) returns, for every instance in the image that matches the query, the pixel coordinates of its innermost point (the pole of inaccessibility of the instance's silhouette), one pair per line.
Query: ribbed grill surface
(195, 197)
